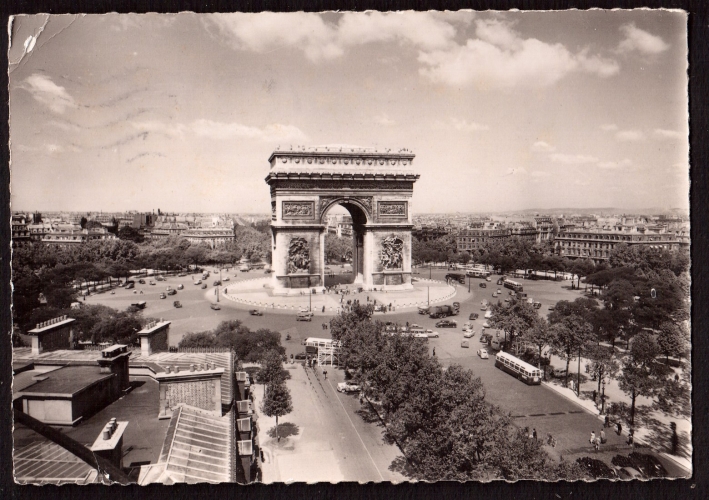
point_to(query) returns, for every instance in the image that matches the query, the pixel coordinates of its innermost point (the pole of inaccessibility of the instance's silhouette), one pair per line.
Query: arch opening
(344, 243)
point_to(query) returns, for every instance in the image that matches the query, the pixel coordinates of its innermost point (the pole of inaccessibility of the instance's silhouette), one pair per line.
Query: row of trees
(439, 417)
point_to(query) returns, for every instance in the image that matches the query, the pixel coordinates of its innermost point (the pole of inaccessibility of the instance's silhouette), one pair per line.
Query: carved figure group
(392, 252)
(298, 256)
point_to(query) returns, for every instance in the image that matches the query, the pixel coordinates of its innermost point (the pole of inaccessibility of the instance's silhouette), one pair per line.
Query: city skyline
(504, 111)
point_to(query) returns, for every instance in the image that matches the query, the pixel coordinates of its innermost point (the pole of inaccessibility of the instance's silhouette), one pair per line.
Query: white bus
(520, 369)
(477, 273)
(514, 285)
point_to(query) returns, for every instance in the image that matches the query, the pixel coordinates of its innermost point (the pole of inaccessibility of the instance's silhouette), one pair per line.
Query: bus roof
(510, 357)
(317, 339)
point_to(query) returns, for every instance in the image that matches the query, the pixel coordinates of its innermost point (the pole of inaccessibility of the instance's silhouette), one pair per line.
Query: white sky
(504, 111)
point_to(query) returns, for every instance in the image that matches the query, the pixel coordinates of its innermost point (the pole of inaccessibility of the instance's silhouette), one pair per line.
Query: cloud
(542, 147)
(614, 165)
(540, 173)
(269, 133)
(572, 159)
(45, 91)
(499, 56)
(641, 41)
(223, 131)
(630, 136)
(384, 120)
(662, 133)
(609, 127)
(460, 125)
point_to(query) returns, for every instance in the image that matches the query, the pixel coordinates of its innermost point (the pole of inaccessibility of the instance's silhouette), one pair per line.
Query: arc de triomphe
(375, 187)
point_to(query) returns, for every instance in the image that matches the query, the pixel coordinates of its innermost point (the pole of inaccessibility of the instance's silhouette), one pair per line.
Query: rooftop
(67, 380)
(46, 462)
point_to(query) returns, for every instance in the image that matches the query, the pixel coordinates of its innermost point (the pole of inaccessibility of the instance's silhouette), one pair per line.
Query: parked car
(152, 282)
(483, 285)
(348, 387)
(483, 354)
(468, 334)
(141, 281)
(181, 275)
(300, 356)
(226, 278)
(163, 296)
(215, 307)
(255, 312)
(304, 316)
(473, 316)
(172, 291)
(180, 286)
(500, 281)
(432, 334)
(198, 282)
(483, 308)
(551, 308)
(168, 288)
(465, 344)
(204, 286)
(446, 323)
(488, 279)
(216, 283)
(421, 335)
(507, 300)
(628, 473)
(558, 372)
(486, 325)
(159, 278)
(177, 304)
(499, 291)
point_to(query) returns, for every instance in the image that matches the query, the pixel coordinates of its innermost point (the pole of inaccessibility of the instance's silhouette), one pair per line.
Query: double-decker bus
(514, 285)
(527, 373)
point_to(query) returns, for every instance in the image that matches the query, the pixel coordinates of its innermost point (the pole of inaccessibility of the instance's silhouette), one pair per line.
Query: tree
(515, 318)
(673, 340)
(272, 371)
(130, 234)
(540, 337)
(675, 396)
(277, 402)
(641, 374)
(602, 360)
(83, 222)
(198, 339)
(571, 333)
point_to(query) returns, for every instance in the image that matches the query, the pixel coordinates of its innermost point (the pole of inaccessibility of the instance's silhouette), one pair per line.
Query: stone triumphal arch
(374, 186)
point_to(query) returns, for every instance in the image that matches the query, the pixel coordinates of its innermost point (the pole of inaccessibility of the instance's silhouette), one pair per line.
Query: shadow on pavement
(285, 429)
(661, 436)
(400, 465)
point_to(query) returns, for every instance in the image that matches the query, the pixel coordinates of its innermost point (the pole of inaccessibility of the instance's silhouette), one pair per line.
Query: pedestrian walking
(534, 434)
(324, 372)
(631, 437)
(434, 351)
(593, 437)
(595, 394)
(619, 428)
(603, 437)
(596, 444)
(606, 422)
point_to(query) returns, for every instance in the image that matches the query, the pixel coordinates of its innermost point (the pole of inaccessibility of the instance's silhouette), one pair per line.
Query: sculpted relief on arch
(391, 256)
(298, 256)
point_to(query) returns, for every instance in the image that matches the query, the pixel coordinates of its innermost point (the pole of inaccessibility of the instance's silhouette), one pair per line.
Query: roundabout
(257, 294)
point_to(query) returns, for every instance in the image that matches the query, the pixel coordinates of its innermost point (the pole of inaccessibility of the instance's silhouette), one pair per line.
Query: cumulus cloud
(542, 147)
(496, 56)
(572, 159)
(499, 56)
(222, 131)
(384, 120)
(662, 133)
(641, 41)
(45, 91)
(609, 127)
(630, 136)
(614, 165)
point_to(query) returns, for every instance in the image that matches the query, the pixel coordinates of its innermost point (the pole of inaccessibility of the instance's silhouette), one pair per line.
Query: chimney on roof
(109, 443)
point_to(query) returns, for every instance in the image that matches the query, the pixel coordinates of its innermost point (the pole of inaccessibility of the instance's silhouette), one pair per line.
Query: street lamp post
(468, 284)
(578, 377)
(428, 293)
(603, 396)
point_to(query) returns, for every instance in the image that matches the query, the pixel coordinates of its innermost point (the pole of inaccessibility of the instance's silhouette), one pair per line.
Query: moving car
(499, 291)
(446, 323)
(488, 279)
(421, 335)
(181, 275)
(198, 282)
(301, 356)
(558, 372)
(486, 325)
(163, 296)
(483, 354)
(431, 334)
(130, 285)
(180, 286)
(348, 387)
(152, 282)
(304, 316)
(469, 333)
(204, 286)
(168, 288)
(177, 304)
(216, 283)
(255, 312)
(483, 307)
(226, 278)
(159, 278)
(465, 344)
(172, 291)
(551, 308)
(483, 285)
(215, 306)
(473, 316)
(141, 281)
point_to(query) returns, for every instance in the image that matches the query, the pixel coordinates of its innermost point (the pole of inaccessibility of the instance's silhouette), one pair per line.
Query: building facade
(598, 244)
(213, 237)
(473, 239)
